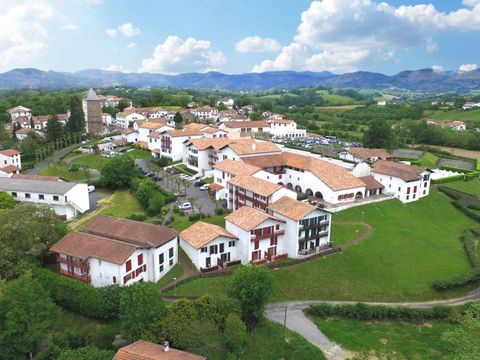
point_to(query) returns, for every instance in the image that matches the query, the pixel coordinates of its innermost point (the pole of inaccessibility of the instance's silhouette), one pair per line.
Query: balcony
(315, 250)
(321, 223)
(85, 278)
(75, 263)
(314, 237)
(261, 236)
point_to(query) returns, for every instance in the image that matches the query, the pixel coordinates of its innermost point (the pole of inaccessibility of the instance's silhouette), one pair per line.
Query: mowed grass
(387, 340)
(343, 233)
(449, 115)
(140, 154)
(92, 161)
(410, 247)
(429, 161)
(471, 186)
(180, 222)
(122, 204)
(64, 173)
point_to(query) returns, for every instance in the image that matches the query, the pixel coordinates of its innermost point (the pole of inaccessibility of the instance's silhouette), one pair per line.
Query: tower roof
(91, 95)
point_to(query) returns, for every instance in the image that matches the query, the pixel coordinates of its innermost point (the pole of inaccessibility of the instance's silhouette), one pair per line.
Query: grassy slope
(448, 115)
(343, 233)
(410, 247)
(387, 340)
(334, 99)
(123, 204)
(429, 161)
(472, 186)
(62, 171)
(140, 154)
(91, 160)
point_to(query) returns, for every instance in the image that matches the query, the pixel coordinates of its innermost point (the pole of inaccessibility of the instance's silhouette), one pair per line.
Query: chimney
(166, 346)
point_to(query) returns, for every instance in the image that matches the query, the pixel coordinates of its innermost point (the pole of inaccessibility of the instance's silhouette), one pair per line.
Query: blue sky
(178, 36)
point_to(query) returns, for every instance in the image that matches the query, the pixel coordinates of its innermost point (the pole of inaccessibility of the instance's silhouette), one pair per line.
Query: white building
(112, 251)
(245, 127)
(20, 111)
(285, 128)
(129, 135)
(10, 162)
(127, 117)
(146, 127)
(359, 154)
(470, 105)
(457, 125)
(406, 182)
(65, 198)
(171, 143)
(208, 245)
(205, 112)
(110, 100)
(229, 103)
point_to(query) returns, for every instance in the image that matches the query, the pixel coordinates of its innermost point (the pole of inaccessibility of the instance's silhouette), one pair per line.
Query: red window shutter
(415, 189)
(140, 259)
(408, 190)
(128, 265)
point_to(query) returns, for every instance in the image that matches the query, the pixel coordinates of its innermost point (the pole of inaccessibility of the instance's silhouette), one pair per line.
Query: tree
(76, 121)
(141, 312)
(178, 118)
(464, 338)
(28, 231)
(26, 312)
(221, 106)
(251, 286)
(180, 316)
(54, 129)
(235, 333)
(118, 172)
(122, 104)
(378, 135)
(86, 353)
(6, 201)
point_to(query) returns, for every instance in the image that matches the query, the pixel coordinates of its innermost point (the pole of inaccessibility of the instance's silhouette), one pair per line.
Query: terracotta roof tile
(237, 167)
(251, 146)
(246, 124)
(144, 350)
(153, 125)
(291, 208)
(86, 246)
(205, 143)
(266, 161)
(136, 232)
(194, 126)
(9, 152)
(36, 177)
(201, 233)
(142, 144)
(371, 183)
(249, 218)
(215, 186)
(184, 132)
(255, 185)
(397, 169)
(9, 169)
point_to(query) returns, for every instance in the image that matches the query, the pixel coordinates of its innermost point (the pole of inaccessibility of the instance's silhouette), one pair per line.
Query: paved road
(57, 156)
(298, 322)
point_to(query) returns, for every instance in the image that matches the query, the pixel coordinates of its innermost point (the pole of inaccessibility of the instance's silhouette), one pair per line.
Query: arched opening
(319, 195)
(280, 183)
(309, 192)
(358, 195)
(289, 186)
(298, 188)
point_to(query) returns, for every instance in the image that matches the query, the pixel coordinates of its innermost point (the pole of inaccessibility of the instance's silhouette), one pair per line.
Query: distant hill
(418, 80)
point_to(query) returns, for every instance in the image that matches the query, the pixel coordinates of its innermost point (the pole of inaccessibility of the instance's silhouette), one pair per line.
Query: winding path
(360, 237)
(297, 320)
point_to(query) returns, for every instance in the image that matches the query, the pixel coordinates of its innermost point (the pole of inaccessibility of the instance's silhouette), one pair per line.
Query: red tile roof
(9, 152)
(396, 169)
(144, 350)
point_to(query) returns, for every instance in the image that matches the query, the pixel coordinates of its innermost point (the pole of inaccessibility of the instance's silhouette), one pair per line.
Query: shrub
(366, 312)
(451, 193)
(138, 217)
(194, 217)
(155, 204)
(73, 168)
(220, 211)
(458, 281)
(468, 241)
(302, 196)
(80, 297)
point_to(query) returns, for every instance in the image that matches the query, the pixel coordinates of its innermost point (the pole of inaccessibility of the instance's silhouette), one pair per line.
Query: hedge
(458, 281)
(80, 297)
(468, 241)
(449, 179)
(451, 193)
(466, 211)
(361, 311)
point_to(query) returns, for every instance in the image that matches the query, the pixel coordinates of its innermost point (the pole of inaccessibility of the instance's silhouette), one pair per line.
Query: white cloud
(132, 45)
(69, 26)
(23, 33)
(126, 29)
(119, 68)
(176, 55)
(467, 67)
(343, 35)
(437, 68)
(257, 44)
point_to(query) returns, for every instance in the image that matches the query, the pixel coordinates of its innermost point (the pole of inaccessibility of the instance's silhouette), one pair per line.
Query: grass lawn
(343, 233)
(429, 161)
(175, 272)
(334, 99)
(387, 340)
(182, 168)
(471, 186)
(140, 154)
(410, 247)
(181, 222)
(122, 204)
(92, 161)
(449, 115)
(64, 173)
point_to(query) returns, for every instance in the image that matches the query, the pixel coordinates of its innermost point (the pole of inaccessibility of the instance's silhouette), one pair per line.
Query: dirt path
(360, 237)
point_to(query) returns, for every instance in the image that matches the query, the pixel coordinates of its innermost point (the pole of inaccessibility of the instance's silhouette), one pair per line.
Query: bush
(73, 168)
(194, 217)
(155, 204)
(468, 240)
(447, 180)
(366, 312)
(138, 217)
(80, 297)
(451, 193)
(302, 196)
(466, 211)
(458, 281)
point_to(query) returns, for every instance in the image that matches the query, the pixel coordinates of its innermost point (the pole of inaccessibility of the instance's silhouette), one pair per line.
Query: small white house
(10, 162)
(20, 111)
(285, 128)
(127, 117)
(65, 198)
(112, 251)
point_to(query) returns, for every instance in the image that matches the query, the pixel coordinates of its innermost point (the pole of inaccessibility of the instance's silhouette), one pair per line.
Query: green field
(91, 161)
(63, 172)
(123, 204)
(387, 340)
(472, 186)
(453, 114)
(429, 161)
(334, 99)
(140, 154)
(410, 247)
(343, 233)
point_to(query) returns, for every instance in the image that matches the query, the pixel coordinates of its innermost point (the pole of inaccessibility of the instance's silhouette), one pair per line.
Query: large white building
(10, 162)
(244, 128)
(205, 112)
(285, 128)
(67, 199)
(20, 111)
(288, 228)
(406, 182)
(112, 251)
(127, 117)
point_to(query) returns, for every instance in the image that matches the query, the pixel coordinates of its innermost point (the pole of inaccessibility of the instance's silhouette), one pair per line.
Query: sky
(241, 36)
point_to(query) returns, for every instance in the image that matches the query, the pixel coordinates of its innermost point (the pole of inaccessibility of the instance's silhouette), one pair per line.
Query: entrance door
(208, 262)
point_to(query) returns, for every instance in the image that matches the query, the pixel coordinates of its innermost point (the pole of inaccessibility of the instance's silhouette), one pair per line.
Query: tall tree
(379, 135)
(76, 121)
(251, 286)
(178, 118)
(54, 129)
(26, 312)
(118, 172)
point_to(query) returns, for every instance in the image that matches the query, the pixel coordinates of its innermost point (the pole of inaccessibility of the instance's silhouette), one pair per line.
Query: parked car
(204, 187)
(91, 188)
(198, 183)
(183, 176)
(150, 174)
(185, 206)
(180, 194)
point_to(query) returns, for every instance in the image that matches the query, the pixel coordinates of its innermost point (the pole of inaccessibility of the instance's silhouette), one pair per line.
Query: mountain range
(425, 80)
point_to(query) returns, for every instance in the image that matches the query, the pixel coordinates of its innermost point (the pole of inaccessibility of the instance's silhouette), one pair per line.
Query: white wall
(399, 188)
(199, 258)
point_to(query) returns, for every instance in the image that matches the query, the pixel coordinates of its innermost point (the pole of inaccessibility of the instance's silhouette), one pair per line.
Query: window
(114, 279)
(170, 252)
(170, 262)
(277, 227)
(55, 197)
(204, 249)
(408, 190)
(128, 266)
(140, 259)
(41, 197)
(161, 268)
(161, 258)
(231, 244)
(222, 248)
(14, 194)
(213, 249)
(27, 196)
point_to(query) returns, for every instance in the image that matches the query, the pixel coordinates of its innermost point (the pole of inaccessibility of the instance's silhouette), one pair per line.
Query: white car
(204, 187)
(183, 176)
(91, 188)
(185, 206)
